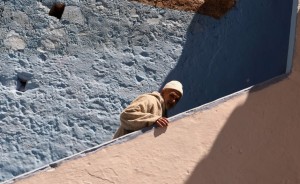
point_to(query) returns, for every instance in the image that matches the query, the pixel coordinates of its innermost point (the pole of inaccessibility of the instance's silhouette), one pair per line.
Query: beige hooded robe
(142, 112)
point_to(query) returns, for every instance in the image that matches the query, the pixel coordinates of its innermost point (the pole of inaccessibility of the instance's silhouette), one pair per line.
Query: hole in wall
(22, 81)
(57, 10)
(54, 165)
(1, 11)
(21, 84)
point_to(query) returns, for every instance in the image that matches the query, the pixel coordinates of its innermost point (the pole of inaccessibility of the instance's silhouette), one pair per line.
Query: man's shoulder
(151, 96)
(154, 94)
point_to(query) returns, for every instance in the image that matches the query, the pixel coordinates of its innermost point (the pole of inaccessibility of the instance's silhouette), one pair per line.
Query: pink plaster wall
(252, 138)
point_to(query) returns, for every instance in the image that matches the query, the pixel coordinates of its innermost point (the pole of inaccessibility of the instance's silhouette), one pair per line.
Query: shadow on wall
(243, 48)
(258, 143)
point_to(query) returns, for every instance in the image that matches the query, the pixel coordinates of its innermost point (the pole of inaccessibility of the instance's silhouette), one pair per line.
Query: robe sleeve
(142, 112)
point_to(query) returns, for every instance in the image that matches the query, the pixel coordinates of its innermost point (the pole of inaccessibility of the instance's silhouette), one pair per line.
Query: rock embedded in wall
(14, 41)
(186, 5)
(214, 8)
(73, 14)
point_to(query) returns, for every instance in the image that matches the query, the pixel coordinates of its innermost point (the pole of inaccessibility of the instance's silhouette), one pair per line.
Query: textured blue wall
(84, 69)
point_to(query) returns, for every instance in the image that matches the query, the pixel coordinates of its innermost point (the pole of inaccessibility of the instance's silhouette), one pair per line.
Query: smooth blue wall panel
(246, 47)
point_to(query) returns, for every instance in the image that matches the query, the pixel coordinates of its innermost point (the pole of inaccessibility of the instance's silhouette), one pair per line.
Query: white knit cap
(174, 85)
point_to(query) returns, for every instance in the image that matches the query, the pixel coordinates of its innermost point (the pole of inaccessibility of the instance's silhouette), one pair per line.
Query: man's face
(171, 97)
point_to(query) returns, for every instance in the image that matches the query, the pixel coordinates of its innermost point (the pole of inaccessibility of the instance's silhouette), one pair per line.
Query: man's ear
(162, 92)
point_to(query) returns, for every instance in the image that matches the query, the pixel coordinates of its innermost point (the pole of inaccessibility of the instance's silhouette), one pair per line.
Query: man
(149, 109)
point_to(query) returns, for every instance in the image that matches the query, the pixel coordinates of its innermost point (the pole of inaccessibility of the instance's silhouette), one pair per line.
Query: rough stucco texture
(79, 72)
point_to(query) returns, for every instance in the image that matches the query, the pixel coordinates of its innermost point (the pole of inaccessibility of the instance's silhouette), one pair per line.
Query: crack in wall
(98, 177)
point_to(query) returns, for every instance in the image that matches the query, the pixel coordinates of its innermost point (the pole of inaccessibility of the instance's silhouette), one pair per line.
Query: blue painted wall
(246, 47)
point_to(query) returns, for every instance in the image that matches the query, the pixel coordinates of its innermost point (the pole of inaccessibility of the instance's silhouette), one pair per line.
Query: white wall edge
(292, 36)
